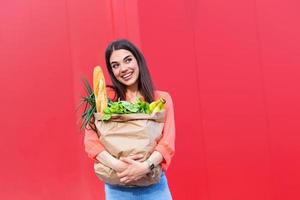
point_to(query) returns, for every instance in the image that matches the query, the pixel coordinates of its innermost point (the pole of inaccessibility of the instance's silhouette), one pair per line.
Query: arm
(97, 152)
(108, 160)
(163, 152)
(92, 144)
(166, 144)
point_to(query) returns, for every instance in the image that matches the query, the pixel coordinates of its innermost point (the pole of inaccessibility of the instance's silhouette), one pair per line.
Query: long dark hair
(145, 84)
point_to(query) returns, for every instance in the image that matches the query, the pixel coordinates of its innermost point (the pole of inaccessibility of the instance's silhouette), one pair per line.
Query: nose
(123, 67)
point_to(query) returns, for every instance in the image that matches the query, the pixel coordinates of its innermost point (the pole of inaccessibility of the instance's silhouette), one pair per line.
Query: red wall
(232, 68)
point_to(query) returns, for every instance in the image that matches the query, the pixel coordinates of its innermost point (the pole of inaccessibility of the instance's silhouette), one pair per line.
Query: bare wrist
(117, 165)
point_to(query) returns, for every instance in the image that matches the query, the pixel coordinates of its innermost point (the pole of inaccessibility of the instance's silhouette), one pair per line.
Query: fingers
(137, 178)
(127, 160)
(125, 179)
(136, 157)
(133, 172)
(122, 174)
(128, 179)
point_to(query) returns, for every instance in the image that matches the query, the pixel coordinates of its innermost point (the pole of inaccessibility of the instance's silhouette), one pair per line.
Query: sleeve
(166, 144)
(92, 144)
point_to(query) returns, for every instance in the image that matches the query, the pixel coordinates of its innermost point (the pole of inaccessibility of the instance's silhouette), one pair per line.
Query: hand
(121, 166)
(134, 171)
(137, 157)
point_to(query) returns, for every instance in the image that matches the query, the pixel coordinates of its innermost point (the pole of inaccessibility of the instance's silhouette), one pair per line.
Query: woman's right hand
(121, 166)
(137, 157)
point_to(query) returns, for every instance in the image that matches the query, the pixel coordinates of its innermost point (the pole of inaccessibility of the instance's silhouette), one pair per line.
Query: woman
(131, 80)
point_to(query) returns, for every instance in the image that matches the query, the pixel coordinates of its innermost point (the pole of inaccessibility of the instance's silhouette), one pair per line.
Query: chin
(128, 84)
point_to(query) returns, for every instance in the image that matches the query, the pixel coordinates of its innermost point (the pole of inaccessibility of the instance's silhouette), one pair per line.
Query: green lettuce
(125, 107)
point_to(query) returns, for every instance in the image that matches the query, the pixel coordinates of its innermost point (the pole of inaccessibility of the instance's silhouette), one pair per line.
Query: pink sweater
(166, 144)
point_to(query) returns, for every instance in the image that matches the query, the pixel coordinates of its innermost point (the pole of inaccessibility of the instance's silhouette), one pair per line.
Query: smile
(127, 76)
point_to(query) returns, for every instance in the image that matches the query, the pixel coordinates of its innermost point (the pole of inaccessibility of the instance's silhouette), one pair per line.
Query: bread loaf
(99, 87)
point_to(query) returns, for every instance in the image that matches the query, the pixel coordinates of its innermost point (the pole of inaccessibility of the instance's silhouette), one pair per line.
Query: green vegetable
(89, 104)
(118, 107)
(125, 107)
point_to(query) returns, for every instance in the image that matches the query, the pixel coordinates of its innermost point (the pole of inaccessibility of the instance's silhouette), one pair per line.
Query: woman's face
(125, 67)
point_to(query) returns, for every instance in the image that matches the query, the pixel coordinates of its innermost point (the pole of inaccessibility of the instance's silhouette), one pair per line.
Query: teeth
(127, 75)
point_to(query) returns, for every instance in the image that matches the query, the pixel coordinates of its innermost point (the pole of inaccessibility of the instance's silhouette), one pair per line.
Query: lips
(127, 76)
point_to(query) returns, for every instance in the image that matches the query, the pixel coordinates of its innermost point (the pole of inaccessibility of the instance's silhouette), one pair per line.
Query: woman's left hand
(134, 171)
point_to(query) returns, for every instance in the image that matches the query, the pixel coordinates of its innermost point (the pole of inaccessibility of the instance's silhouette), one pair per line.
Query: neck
(132, 92)
(133, 89)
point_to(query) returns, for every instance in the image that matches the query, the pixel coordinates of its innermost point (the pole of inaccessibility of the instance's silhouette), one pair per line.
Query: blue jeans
(158, 191)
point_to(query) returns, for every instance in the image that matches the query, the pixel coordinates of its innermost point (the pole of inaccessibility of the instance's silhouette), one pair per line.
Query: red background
(231, 66)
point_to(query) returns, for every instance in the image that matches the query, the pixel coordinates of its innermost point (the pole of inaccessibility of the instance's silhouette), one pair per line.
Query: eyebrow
(123, 59)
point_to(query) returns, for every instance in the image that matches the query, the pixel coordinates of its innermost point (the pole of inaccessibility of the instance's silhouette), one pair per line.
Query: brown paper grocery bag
(126, 134)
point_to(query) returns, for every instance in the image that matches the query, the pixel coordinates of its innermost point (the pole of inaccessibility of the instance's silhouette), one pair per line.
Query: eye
(114, 66)
(128, 60)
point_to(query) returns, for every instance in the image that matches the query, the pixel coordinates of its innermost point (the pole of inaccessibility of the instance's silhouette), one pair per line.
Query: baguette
(99, 89)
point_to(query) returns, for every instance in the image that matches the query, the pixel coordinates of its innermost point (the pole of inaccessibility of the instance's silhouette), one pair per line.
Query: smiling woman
(125, 69)
(128, 71)
(131, 80)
